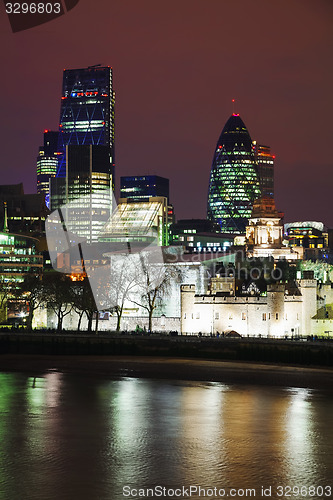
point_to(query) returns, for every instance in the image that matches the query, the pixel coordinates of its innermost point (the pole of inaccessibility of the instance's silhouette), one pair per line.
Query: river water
(65, 436)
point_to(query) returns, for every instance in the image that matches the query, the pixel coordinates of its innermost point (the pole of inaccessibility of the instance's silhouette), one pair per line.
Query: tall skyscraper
(234, 179)
(86, 143)
(85, 193)
(265, 163)
(47, 162)
(87, 111)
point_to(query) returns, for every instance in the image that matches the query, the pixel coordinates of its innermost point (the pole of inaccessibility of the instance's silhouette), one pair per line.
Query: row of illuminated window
(265, 316)
(47, 160)
(25, 218)
(82, 123)
(32, 260)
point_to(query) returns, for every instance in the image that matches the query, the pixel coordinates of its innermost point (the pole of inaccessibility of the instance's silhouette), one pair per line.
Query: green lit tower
(234, 181)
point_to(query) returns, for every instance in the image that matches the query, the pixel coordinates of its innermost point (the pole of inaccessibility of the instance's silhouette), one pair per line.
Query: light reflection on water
(69, 437)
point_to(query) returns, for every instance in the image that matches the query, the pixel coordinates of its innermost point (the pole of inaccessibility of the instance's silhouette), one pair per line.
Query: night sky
(177, 65)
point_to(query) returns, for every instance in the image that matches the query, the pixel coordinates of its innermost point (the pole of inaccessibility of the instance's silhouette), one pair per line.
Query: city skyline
(175, 75)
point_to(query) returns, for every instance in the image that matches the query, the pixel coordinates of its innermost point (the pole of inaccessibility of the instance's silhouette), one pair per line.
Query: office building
(200, 235)
(234, 180)
(19, 257)
(265, 164)
(140, 222)
(312, 237)
(47, 163)
(85, 193)
(24, 213)
(87, 111)
(145, 186)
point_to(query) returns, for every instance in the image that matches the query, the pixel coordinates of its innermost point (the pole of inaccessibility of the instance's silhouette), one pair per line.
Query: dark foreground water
(66, 436)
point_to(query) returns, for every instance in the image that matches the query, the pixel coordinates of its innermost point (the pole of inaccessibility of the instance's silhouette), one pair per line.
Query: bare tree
(58, 293)
(31, 290)
(123, 281)
(153, 282)
(7, 291)
(83, 302)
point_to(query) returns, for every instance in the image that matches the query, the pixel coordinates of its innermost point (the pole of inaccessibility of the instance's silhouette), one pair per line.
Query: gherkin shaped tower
(234, 181)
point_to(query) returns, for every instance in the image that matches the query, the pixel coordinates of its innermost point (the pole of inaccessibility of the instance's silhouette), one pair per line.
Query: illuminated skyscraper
(234, 180)
(86, 143)
(87, 111)
(85, 194)
(265, 164)
(47, 162)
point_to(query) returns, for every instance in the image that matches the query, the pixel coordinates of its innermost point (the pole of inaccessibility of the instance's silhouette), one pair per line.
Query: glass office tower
(87, 111)
(234, 181)
(138, 187)
(265, 163)
(47, 163)
(85, 194)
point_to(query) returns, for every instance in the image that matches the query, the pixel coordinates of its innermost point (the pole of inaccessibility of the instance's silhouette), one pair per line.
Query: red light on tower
(45, 131)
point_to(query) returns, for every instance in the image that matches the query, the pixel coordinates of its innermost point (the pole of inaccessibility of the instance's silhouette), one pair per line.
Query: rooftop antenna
(5, 220)
(233, 106)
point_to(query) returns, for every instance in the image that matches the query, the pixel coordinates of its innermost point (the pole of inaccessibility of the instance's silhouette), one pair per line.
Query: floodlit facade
(264, 232)
(87, 111)
(276, 314)
(234, 179)
(47, 163)
(142, 222)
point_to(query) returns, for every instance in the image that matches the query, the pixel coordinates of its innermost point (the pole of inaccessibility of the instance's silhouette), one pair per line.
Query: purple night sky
(177, 65)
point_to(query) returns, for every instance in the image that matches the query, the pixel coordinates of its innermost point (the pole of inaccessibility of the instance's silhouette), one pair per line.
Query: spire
(233, 108)
(5, 219)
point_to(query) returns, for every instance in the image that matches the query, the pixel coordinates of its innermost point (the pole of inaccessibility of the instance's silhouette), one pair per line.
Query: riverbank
(171, 368)
(314, 354)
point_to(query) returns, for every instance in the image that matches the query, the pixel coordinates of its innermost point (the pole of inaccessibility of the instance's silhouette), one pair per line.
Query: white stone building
(277, 314)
